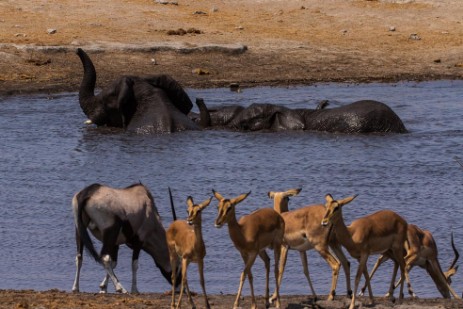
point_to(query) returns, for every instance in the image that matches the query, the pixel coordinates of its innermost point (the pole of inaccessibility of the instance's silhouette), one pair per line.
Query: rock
(214, 10)
(51, 31)
(166, 2)
(392, 28)
(199, 71)
(235, 87)
(199, 13)
(414, 36)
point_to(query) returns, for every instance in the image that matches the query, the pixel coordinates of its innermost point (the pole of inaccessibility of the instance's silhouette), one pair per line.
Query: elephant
(146, 104)
(159, 104)
(366, 116)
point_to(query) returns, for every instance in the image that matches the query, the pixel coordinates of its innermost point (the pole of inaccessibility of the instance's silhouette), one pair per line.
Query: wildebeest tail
(174, 215)
(82, 199)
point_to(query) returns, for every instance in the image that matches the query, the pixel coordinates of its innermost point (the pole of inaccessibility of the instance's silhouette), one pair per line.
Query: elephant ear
(174, 91)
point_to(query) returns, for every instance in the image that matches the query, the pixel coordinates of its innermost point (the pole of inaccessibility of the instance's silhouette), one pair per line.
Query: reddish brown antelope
(185, 241)
(253, 233)
(115, 217)
(303, 232)
(421, 250)
(380, 232)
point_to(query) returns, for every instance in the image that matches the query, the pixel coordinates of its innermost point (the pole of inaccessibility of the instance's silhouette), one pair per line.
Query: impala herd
(129, 216)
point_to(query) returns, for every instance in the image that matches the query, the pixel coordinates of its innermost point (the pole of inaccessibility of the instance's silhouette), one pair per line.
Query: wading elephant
(359, 117)
(151, 104)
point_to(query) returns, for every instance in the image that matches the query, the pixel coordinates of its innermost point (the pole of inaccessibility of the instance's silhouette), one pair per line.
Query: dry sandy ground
(252, 42)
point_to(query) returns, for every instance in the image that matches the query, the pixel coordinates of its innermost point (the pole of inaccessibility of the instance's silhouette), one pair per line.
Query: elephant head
(154, 103)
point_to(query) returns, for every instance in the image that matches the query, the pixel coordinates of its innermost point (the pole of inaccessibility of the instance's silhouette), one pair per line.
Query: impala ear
(271, 194)
(346, 200)
(217, 195)
(293, 192)
(329, 198)
(240, 198)
(189, 201)
(205, 203)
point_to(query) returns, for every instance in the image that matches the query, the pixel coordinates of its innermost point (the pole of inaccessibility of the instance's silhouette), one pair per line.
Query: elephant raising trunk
(152, 104)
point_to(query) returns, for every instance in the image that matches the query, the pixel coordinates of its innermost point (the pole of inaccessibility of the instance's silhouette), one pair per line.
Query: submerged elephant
(151, 104)
(365, 116)
(158, 104)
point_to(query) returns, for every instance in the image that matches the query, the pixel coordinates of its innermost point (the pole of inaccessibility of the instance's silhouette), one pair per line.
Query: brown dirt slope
(288, 42)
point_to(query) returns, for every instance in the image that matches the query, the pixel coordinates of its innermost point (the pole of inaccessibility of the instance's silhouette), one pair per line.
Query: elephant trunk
(87, 87)
(87, 100)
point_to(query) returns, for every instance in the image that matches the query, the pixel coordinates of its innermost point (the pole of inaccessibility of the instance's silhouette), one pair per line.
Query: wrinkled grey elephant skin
(148, 104)
(359, 117)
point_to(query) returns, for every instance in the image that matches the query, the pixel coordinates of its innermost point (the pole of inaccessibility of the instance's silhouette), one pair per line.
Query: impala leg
(264, 256)
(345, 265)
(80, 251)
(248, 262)
(303, 255)
(203, 284)
(390, 293)
(277, 254)
(335, 265)
(378, 263)
(398, 256)
(367, 280)
(185, 285)
(282, 264)
(173, 265)
(362, 265)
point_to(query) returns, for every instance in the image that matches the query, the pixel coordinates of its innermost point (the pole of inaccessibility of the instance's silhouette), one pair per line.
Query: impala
(185, 240)
(253, 233)
(303, 232)
(421, 250)
(380, 232)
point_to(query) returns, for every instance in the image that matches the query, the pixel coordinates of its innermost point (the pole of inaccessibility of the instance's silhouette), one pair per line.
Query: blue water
(48, 154)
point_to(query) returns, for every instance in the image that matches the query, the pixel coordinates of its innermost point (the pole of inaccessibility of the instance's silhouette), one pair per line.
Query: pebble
(235, 87)
(392, 28)
(166, 2)
(51, 31)
(199, 71)
(414, 36)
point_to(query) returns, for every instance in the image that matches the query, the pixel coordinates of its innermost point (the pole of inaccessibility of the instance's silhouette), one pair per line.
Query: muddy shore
(55, 299)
